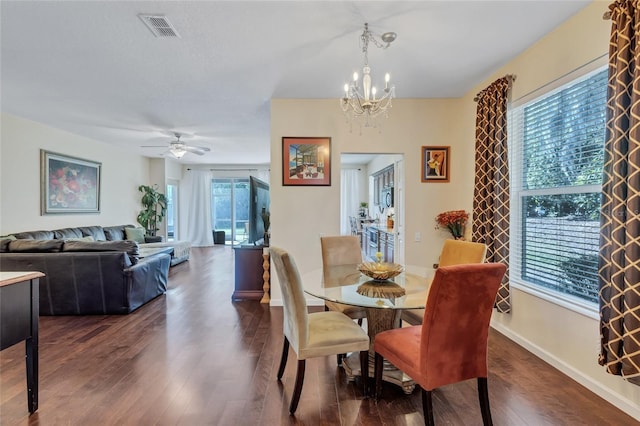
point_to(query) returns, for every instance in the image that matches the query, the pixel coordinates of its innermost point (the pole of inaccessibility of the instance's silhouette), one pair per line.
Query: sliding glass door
(230, 208)
(172, 211)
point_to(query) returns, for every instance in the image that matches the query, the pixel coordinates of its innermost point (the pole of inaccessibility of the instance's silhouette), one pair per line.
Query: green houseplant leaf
(154, 205)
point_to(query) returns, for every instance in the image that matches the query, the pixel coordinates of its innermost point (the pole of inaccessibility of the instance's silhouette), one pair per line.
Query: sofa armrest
(154, 239)
(147, 279)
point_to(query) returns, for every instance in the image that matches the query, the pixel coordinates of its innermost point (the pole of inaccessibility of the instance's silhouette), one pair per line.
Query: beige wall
(20, 144)
(564, 338)
(299, 215)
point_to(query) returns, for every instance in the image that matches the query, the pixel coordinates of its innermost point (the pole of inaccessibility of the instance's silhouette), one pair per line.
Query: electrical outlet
(417, 237)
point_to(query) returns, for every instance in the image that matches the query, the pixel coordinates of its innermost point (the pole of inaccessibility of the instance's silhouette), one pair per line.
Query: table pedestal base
(379, 320)
(390, 373)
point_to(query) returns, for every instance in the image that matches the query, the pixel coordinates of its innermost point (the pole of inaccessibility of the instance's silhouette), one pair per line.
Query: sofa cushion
(35, 246)
(115, 233)
(93, 231)
(35, 235)
(135, 234)
(130, 247)
(64, 233)
(87, 238)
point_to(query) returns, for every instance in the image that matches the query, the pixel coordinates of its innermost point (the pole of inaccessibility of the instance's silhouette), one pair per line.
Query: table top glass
(346, 284)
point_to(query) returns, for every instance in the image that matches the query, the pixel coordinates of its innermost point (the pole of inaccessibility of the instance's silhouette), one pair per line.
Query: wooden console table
(251, 273)
(19, 310)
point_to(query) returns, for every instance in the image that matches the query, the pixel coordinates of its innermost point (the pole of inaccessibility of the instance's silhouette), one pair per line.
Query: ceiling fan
(178, 148)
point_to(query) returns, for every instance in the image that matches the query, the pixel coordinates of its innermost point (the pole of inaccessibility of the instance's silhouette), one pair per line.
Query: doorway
(230, 208)
(372, 179)
(172, 211)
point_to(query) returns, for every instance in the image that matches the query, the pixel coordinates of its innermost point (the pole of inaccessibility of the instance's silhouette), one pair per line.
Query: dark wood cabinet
(378, 239)
(382, 180)
(248, 273)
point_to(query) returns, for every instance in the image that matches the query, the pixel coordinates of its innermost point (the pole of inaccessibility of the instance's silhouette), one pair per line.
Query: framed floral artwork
(435, 164)
(68, 184)
(306, 161)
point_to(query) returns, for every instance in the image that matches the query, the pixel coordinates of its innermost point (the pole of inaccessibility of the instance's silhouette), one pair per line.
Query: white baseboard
(607, 394)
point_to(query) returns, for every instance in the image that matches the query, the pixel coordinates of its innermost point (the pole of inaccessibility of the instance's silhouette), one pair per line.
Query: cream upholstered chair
(313, 334)
(454, 252)
(451, 344)
(341, 250)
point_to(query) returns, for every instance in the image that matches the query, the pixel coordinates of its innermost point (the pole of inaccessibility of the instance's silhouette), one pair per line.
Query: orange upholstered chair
(451, 344)
(315, 334)
(454, 252)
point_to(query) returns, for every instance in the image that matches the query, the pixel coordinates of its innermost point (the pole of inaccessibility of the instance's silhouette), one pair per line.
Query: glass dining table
(383, 302)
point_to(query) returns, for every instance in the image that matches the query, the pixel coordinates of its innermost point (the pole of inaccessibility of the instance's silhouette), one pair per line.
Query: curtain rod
(510, 79)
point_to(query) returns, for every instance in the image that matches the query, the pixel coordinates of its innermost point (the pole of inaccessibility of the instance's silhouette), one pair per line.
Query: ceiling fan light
(177, 151)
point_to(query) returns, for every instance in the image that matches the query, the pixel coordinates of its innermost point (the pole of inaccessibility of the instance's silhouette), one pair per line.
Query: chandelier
(361, 102)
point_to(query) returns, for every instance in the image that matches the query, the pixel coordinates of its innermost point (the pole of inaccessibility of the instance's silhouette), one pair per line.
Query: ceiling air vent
(159, 25)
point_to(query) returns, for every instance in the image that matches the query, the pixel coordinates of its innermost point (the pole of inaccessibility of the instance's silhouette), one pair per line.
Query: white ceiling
(92, 68)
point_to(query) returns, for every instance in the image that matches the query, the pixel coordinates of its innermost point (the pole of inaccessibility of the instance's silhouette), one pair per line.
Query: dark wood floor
(192, 357)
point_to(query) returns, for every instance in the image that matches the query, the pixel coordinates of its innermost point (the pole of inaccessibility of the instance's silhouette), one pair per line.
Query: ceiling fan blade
(196, 149)
(153, 146)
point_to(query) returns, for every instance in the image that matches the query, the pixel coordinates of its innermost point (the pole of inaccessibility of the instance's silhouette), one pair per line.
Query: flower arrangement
(454, 221)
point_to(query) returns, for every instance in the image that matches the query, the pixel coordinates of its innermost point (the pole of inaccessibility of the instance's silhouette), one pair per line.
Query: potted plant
(154, 205)
(363, 209)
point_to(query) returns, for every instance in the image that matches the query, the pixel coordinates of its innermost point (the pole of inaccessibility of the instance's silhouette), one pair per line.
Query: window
(556, 144)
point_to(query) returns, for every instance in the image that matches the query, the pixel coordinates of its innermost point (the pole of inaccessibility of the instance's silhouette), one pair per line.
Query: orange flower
(454, 221)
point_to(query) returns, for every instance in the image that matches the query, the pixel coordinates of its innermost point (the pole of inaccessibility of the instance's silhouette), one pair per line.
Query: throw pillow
(135, 234)
(4, 244)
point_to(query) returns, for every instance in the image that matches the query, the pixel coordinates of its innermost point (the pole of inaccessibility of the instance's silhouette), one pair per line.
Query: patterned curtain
(619, 262)
(491, 192)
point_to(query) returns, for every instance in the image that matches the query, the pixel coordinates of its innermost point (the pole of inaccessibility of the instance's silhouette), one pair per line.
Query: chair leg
(364, 371)
(377, 373)
(297, 390)
(483, 396)
(427, 407)
(283, 359)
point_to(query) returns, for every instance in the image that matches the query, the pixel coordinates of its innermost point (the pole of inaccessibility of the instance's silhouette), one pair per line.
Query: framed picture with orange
(435, 164)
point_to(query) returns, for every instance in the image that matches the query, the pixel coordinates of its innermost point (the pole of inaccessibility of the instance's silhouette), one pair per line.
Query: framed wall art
(68, 184)
(306, 161)
(435, 164)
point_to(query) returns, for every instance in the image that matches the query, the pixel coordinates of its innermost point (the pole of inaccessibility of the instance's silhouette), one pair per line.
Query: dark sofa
(87, 277)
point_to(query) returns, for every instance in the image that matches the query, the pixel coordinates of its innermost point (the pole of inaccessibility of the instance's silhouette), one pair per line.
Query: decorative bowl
(380, 271)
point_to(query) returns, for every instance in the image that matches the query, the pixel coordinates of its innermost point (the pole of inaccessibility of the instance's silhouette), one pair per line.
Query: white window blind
(556, 146)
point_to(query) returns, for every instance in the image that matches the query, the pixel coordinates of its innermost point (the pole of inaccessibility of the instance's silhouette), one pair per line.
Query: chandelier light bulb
(355, 76)
(346, 90)
(373, 92)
